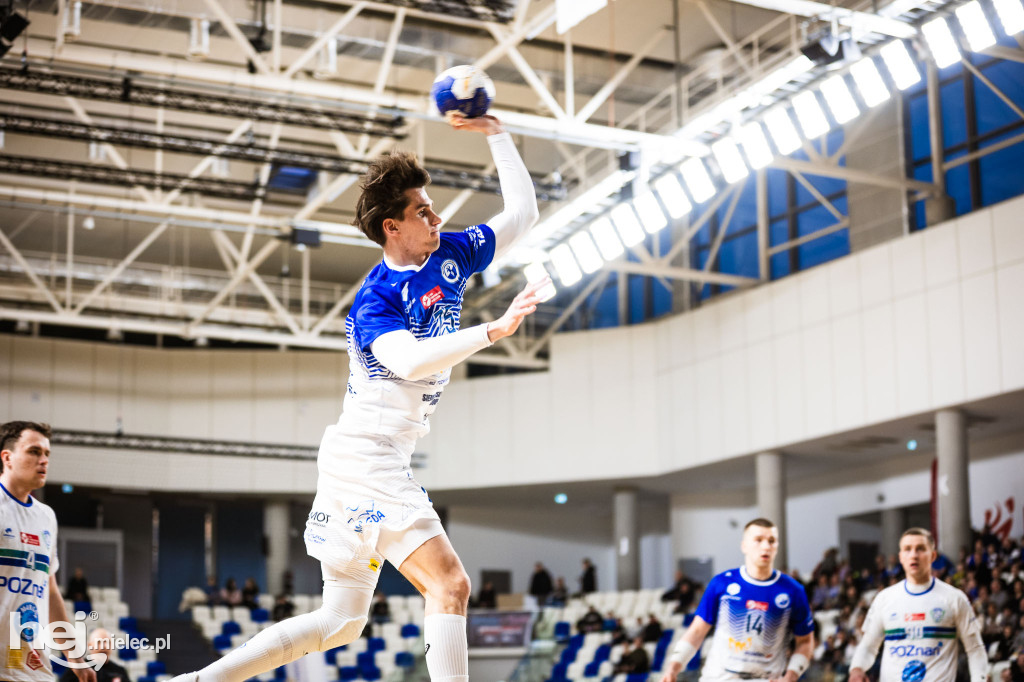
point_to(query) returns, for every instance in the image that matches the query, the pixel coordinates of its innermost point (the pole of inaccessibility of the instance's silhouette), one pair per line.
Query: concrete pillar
(954, 493)
(771, 498)
(275, 529)
(627, 539)
(894, 522)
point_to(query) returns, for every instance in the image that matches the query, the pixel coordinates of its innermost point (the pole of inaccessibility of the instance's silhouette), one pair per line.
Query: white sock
(444, 636)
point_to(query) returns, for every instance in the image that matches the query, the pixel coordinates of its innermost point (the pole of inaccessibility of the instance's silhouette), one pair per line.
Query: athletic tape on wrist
(683, 652)
(798, 663)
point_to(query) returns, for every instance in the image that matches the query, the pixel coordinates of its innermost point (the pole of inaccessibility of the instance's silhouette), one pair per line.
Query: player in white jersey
(918, 622)
(753, 609)
(403, 338)
(29, 595)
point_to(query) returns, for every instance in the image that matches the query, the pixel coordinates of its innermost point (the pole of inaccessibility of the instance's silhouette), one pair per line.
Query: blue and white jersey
(28, 561)
(426, 301)
(753, 620)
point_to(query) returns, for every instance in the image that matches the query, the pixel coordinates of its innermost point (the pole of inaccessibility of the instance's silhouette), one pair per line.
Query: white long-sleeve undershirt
(520, 211)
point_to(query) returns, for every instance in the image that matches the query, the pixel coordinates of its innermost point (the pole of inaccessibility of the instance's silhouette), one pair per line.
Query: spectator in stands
(893, 571)
(380, 612)
(619, 635)
(588, 579)
(590, 622)
(212, 591)
(560, 595)
(488, 597)
(231, 595)
(652, 630)
(1015, 673)
(673, 593)
(997, 595)
(634, 659)
(820, 595)
(251, 594)
(78, 586)
(687, 597)
(1003, 649)
(100, 644)
(540, 584)
(283, 607)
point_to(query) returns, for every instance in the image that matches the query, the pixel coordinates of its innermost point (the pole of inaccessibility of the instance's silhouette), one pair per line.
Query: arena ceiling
(153, 185)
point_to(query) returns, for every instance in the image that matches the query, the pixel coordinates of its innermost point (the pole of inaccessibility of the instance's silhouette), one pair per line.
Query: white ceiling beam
(329, 35)
(598, 279)
(229, 25)
(240, 274)
(672, 272)
(282, 313)
(538, 23)
(339, 305)
(30, 273)
(527, 72)
(608, 88)
(854, 19)
(117, 270)
(852, 175)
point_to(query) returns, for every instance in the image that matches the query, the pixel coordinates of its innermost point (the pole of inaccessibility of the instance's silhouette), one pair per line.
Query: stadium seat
(637, 677)
(230, 628)
(562, 631)
(128, 654)
(147, 678)
(375, 644)
(84, 606)
(260, 615)
(280, 673)
(403, 659)
(348, 672)
(366, 659)
(155, 668)
(221, 642)
(331, 655)
(410, 630)
(128, 624)
(369, 673)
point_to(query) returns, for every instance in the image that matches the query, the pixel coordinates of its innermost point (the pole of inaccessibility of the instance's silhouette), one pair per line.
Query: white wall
(700, 527)
(924, 322)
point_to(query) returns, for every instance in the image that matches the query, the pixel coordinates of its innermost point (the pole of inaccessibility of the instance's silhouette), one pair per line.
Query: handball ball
(466, 89)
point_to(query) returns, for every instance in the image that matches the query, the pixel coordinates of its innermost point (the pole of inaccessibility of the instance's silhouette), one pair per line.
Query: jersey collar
(23, 504)
(405, 268)
(771, 581)
(906, 587)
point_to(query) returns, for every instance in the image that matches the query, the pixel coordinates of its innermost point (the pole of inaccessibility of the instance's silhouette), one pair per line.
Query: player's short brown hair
(926, 534)
(383, 191)
(11, 432)
(760, 522)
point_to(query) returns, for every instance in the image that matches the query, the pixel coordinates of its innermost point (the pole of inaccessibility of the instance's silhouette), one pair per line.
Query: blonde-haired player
(919, 620)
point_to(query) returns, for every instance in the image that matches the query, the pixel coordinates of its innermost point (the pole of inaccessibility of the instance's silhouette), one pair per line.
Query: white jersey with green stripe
(28, 559)
(918, 632)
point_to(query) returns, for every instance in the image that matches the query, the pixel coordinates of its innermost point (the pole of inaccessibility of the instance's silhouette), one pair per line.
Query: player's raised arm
(684, 650)
(520, 211)
(867, 649)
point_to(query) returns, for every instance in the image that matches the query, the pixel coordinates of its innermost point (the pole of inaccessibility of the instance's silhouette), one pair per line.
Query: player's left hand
(525, 302)
(85, 674)
(487, 124)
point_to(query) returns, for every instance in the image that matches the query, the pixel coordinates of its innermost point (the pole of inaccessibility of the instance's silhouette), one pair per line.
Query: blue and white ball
(466, 89)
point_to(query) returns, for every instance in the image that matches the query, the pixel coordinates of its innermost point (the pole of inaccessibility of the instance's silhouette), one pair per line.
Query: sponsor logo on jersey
(450, 271)
(938, 614)
(28, 617)
(313, 538)
(782, 600)
(910, 617)
(914, 671)
(8, 532)
(756, 605)
(374, 565)
(364, 512)
(733, 588)
(319, 518)
(29, 539)
(739, 645)
(432, 398)
(914, 651)
(431, 297)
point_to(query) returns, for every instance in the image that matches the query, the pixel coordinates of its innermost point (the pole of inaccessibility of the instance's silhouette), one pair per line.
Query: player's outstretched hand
(485, 124)
(522, 305)
(669, 676)
(857, 675)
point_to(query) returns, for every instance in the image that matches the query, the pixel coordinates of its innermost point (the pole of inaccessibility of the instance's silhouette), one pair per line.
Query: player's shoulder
(951, 592)
(789, 583)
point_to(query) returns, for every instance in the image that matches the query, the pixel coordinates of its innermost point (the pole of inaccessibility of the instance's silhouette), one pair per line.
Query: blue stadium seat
(637, 677)
(369, 673)
(609, 624)
(127, 624)
(576, 641)
(376, 644)
(220, 642)
(346, 673)
(130, 654)
(592, 669)
(688, 619)
(280, 673)
(331, 655)
(147, 678)
(562, 630)
(568, 655)
(366, 659)
(558, 671)
(403, 659)
(84, 605)
(259, 615)
(603, 653)
(155, 668)
(230, 628)
(58, 668)
(410, 630)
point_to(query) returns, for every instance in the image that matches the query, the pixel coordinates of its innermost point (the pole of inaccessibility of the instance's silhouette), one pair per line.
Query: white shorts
(382, 514)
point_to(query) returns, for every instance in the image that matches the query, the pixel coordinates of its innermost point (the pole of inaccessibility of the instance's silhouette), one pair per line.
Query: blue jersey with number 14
(753, 620)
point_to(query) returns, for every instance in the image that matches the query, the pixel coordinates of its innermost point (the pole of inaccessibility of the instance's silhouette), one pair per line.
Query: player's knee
(343, 632)
(458, 587)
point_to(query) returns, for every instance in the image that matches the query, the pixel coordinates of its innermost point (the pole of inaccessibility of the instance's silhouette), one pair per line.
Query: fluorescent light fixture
(869, 82)
(627, 224)
(727, 154)
(697, 180)
(672, 195)
(839, 100)
(565, 265)
(651, 216)
(608, 242)
(810, 115)
(975, 25)
(535, 272)
(755, 144)
(941, 42)
(1011, 15)
(782, 130)
(586, 253)
(584, 203)
(900, 64)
